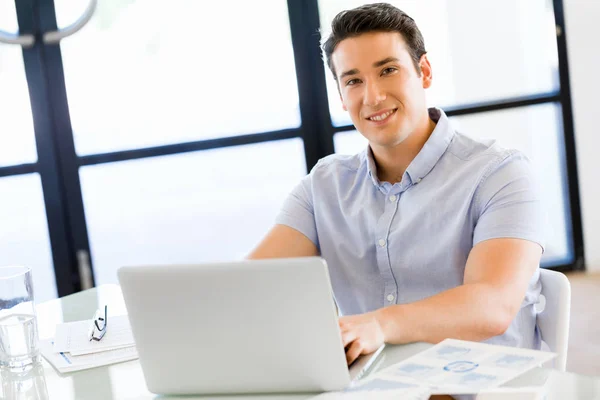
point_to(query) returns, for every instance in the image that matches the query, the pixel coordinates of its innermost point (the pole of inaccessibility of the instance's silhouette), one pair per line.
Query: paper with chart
(377, 387)
(73, 337)
(456, 366)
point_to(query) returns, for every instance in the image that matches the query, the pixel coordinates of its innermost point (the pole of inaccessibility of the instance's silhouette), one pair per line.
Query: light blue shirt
(392, 244)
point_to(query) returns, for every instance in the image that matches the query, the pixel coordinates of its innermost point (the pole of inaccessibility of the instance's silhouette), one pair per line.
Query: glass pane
(141, 74)
(535, 130)
(479, 50)
(24, 232)
(17, 139)
(187, 208)
(538, 132)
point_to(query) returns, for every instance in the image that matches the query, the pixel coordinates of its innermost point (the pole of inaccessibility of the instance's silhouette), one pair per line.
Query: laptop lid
(253, 326)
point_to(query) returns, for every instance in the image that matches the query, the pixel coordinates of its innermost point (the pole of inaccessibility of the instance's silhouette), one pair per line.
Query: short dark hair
(378, 17)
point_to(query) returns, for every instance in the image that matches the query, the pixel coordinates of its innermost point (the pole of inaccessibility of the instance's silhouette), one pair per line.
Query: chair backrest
(554, 314)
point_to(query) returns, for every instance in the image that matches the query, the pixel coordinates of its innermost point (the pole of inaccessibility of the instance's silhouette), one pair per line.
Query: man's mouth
(383, 116)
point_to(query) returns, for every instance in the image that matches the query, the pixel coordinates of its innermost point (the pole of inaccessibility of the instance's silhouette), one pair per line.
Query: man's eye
(388, 70)
(352, 82)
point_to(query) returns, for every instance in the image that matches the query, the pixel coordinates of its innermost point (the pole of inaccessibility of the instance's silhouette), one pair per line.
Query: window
(17, 142)
(212, 205)
(141, 74)
(24, 233)
(131, 132)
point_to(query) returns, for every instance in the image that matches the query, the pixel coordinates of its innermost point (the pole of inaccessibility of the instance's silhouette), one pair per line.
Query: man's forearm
(469, 312)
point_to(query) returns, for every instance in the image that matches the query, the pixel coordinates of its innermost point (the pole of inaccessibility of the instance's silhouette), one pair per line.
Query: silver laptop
(260, 326)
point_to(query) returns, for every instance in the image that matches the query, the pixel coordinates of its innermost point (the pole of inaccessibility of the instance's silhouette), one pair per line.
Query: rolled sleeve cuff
(531, 237)
(305, 227)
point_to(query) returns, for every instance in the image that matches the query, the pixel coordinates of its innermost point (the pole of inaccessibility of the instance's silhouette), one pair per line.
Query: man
(428, 234)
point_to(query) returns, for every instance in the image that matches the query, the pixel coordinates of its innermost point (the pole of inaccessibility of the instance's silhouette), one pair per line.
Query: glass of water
(18, 325)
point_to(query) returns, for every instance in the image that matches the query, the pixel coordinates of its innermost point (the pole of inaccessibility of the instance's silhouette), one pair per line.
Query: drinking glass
(18, 325)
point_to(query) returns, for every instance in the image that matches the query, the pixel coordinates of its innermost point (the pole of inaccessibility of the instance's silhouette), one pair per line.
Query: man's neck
(392, 162)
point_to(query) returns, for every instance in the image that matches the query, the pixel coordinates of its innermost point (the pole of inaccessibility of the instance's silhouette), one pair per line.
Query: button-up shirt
(398, 243)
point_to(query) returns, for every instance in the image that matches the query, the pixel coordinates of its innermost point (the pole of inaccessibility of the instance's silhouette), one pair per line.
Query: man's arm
(495, 282)
(496, 279)
(283, 242)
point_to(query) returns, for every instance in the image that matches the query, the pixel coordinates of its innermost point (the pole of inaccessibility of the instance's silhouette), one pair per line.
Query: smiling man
(428, 234)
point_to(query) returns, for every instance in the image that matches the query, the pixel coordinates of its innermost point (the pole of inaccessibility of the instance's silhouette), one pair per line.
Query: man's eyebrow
(349, 72)
(384, 61)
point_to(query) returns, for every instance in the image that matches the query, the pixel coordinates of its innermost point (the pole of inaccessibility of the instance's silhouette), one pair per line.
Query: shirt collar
(429, 155)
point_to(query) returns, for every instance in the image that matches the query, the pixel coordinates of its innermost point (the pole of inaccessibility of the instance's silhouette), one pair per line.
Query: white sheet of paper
(379, 388)
(524, 393)
(65, 362)
(73, 337)
(456, 366)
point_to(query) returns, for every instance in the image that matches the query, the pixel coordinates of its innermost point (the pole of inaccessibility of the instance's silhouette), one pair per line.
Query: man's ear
(343, 104)
(426, 71)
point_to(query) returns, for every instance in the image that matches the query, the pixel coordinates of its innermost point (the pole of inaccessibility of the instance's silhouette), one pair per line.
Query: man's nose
(373, 94)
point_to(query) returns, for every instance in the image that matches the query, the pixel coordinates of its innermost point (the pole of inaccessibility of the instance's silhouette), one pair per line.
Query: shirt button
(392, 198)
(382, 242)
(390, 297)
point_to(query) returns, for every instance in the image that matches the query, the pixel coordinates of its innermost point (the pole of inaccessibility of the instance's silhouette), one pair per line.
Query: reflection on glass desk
(27, 384)
(126, 380)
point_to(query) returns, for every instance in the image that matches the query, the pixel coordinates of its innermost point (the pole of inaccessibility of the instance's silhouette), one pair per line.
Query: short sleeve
(508, 203)
(298, 212)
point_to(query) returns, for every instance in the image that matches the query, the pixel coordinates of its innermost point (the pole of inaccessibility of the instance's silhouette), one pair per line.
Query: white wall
(583, 32)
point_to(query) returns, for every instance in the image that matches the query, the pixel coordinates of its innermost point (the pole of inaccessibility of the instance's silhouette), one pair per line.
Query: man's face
(380, 86)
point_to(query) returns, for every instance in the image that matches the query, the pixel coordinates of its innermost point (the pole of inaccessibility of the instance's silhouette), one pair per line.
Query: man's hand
(361, 334)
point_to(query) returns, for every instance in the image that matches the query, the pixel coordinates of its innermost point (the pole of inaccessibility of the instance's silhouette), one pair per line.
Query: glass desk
(126, 380)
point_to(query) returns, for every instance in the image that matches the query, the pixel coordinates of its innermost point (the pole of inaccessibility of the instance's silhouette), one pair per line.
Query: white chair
(554, 314)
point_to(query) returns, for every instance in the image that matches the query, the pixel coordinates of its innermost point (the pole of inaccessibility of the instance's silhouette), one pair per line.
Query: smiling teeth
(382, 116)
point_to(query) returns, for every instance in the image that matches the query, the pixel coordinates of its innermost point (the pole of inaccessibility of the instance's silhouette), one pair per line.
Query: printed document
(456, 366)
